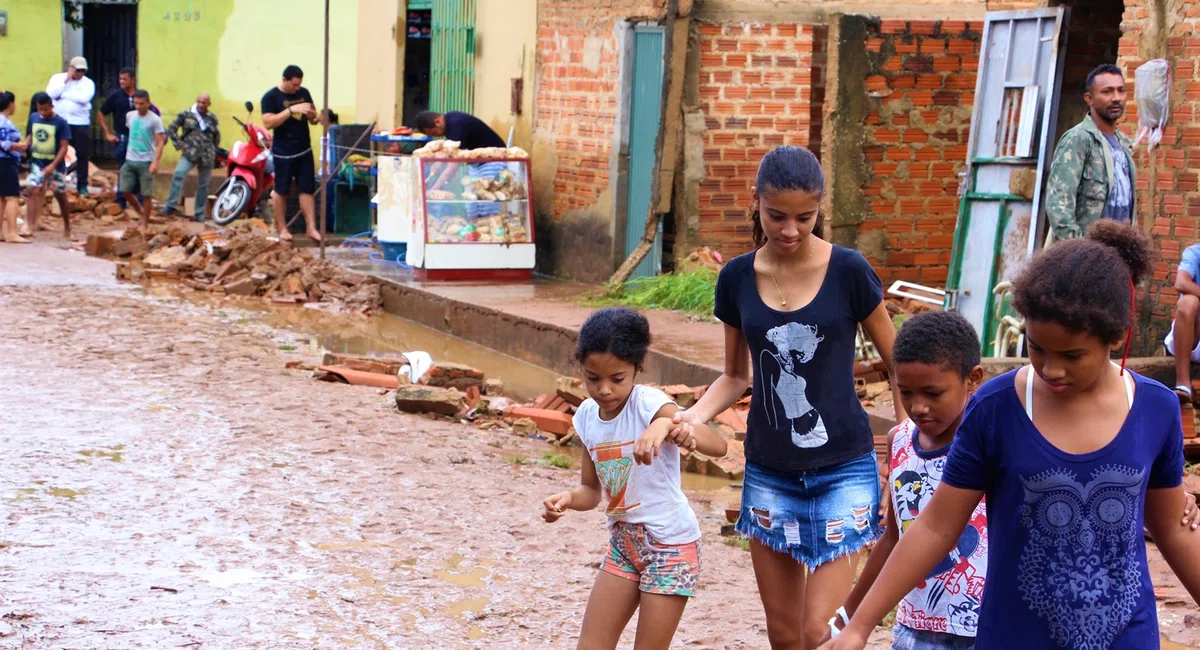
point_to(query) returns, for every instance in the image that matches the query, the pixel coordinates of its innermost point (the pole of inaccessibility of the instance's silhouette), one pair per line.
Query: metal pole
(325, 169)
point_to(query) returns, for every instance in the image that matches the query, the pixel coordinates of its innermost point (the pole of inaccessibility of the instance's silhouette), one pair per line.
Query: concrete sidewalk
(539, 321)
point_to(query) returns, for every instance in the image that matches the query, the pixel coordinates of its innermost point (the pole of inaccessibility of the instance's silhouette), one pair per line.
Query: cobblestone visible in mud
(166, 482)
(253, 508)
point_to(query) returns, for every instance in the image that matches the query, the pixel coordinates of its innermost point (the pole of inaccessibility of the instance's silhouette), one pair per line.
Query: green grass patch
(690, 292)
(738, 541)
(557, 460)
(517, 460)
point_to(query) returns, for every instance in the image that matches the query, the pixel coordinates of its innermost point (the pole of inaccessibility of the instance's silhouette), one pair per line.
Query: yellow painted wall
(506, 35)
(236, 50)
(380, 62)
(31, 52)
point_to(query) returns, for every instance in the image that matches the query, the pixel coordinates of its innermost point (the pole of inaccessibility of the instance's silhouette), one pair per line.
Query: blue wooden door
(644, 113)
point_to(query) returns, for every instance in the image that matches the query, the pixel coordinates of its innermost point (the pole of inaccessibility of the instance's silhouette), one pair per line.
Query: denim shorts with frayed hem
(815, 516)
(906, 638)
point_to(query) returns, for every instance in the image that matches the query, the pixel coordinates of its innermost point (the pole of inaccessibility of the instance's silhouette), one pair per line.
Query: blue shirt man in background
(1181, 340)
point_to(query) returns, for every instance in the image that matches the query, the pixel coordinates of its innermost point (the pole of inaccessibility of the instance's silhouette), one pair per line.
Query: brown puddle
(113, 454)
(455, 574)
(385, 335)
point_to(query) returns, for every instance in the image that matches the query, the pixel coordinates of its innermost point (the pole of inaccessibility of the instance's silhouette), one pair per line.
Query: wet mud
(167, 483)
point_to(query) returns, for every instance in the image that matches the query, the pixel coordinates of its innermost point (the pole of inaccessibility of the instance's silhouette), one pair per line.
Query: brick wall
(921, 85)
(761, 86)
(577, 92)
(1093, 32)
(576, 97)
(1168, 187)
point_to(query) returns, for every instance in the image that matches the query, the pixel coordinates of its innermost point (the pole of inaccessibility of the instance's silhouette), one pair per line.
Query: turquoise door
(644, 112)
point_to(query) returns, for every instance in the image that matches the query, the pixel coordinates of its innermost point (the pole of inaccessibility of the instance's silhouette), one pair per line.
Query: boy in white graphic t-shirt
(653, 558)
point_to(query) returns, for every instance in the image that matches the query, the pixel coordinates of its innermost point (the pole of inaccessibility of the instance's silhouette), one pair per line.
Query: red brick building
(883, 95)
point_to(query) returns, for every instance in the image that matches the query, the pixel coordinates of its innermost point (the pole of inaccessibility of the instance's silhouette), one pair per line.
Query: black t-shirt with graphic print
(292, 136)
(804, 413)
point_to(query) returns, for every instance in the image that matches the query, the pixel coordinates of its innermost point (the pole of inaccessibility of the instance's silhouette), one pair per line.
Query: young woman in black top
(791, 310)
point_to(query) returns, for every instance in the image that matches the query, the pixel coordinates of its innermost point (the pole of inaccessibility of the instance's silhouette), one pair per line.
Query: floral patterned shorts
(666, 569)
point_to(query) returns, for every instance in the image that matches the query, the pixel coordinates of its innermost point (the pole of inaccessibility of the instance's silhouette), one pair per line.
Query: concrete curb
(544, 344)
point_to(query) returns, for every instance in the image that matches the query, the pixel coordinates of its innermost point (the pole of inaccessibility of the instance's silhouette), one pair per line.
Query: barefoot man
(48, 137)
(12, 146)
(288, 110)
(147, 137)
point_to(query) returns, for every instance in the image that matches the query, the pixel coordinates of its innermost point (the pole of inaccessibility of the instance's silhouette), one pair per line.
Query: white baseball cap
(79, 63)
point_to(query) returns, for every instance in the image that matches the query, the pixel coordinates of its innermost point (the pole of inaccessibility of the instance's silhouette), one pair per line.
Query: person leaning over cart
(468, 130)
(471, 133)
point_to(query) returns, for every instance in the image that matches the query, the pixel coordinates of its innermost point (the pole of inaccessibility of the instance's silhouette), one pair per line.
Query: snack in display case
(476, 202)
(504, 228)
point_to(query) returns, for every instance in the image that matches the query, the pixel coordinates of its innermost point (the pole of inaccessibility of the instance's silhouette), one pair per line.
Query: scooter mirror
(249, 107)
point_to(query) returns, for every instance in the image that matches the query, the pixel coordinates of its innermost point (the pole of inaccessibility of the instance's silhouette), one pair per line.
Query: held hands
(660, 431)
(1191, 514)
(556, 506)
(847, 640)
(684, 433)
(112, 138)
(23, 146)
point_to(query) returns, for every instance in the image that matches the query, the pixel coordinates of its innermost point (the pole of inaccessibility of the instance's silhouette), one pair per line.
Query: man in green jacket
(1092, 176)
(197, 133)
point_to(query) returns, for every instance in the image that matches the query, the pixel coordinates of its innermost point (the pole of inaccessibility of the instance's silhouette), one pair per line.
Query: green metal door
(452, 61)
(1000, 225)
(644, 112)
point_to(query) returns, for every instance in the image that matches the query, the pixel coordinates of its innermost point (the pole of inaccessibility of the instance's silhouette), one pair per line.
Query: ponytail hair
(1087, 284)
(788, 168)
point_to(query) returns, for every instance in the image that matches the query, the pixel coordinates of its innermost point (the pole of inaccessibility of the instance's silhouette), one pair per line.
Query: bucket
(394, 251)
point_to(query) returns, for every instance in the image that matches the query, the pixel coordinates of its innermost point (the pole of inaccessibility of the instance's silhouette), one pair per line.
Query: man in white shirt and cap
(72, 92)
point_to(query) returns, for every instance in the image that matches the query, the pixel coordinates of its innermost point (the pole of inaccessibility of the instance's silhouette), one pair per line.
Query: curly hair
(619, 331)
(788, 168)
(1086, 284)
(938, 338)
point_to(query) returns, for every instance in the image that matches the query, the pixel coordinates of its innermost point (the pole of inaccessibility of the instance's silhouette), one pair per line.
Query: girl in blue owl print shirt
(1074, 454)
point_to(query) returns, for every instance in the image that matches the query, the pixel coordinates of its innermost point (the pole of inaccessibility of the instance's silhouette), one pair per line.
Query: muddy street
(167, 483)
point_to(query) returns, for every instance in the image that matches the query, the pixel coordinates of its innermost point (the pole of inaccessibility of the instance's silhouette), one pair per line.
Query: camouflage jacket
(197, 146)
(1081, 178)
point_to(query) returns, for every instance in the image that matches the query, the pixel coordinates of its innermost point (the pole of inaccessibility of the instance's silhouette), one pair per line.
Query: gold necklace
(782, 300)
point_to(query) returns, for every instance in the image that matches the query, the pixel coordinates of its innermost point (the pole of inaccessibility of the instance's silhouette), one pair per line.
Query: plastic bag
(1153, 95)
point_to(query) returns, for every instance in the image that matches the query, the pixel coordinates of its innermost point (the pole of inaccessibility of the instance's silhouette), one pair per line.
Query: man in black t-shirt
(467, 129)
(288, 110)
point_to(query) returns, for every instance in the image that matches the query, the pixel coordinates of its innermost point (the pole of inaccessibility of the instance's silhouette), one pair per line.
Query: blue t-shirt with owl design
(804, 412)
(1067, 561)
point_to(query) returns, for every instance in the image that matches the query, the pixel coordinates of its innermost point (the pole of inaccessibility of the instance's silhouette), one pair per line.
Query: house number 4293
(185, 16)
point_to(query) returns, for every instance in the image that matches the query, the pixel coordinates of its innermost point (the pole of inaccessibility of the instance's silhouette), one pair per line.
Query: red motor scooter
(248, 180)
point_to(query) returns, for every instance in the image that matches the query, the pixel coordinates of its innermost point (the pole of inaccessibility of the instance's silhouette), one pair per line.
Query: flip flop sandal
(1184, 393)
